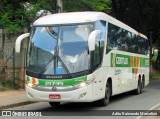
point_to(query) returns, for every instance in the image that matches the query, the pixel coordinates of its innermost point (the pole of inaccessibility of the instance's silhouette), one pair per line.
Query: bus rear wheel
(143, 82)
(139, 88)
(105, 100)
(54, 104)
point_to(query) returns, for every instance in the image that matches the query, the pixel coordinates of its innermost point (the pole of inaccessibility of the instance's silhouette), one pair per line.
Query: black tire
(139, 88)
(54, 104)
(105, 100)
(143, 82)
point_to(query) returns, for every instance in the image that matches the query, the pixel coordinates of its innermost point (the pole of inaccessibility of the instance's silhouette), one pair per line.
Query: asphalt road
(127, 101)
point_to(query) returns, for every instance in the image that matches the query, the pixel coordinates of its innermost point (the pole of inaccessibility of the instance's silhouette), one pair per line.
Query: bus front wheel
(105, 100)
(54, 104)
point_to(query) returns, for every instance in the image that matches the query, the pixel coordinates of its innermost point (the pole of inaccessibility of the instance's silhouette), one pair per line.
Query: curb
(16, 104)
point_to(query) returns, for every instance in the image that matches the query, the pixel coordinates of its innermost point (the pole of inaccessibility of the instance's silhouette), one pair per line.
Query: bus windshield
(59, 49)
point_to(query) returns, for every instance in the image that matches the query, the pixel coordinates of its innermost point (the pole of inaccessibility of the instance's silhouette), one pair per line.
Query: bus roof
(81, 17)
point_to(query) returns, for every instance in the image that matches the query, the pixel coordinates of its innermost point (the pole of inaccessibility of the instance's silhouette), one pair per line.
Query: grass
(2, 88)
(8, 84)
(156, 68)
(155, 75)
(153, 59)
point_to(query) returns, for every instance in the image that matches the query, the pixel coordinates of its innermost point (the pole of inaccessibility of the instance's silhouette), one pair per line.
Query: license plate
(54, 96)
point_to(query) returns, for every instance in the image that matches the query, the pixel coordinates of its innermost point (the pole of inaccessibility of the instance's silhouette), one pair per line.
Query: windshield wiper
(53, 58)
(67, 70)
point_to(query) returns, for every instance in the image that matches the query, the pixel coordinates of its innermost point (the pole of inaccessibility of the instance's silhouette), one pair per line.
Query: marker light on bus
(82, 84)
(32, 82)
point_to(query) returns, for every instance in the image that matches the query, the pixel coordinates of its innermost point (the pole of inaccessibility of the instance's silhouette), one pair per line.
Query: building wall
(7, 45)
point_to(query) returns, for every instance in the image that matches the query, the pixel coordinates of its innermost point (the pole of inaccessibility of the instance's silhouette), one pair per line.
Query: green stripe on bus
(133, 70)
(61, 82)
(120, 60)
(28, 79)
(144, 62)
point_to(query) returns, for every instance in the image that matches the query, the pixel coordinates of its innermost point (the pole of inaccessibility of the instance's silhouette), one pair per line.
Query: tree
(17, 14)
(87, 5)
(141, 15)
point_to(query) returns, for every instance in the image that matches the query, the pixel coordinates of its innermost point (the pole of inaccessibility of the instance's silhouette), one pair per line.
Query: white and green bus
(83, 57)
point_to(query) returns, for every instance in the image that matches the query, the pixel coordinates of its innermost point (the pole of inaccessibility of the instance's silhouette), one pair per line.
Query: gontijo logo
(113, 59)
(121, 60)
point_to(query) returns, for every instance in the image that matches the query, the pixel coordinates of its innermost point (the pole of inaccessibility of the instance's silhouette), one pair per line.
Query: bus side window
(121, 39)
(126, 37)
(110, 36)
(118, 38)
(140, 45)
(146, 47)
(134, 43)
(143, 46)
(129, 41)
(113, 37)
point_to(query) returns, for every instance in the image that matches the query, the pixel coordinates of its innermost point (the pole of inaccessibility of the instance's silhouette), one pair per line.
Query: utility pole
(14, 67)
(150, 57)
(59, 6)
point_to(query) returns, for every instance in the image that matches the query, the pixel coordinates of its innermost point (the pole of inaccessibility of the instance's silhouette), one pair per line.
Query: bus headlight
(83, 84)
(32, 82)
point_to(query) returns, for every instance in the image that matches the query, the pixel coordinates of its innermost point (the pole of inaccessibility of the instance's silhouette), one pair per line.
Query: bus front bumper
(83, 94)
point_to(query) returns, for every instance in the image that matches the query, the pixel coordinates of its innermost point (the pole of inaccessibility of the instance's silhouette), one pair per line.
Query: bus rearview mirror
(19, 40)
(92, 39)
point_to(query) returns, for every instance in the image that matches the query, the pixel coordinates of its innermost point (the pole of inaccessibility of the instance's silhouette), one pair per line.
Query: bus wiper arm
(67, 70)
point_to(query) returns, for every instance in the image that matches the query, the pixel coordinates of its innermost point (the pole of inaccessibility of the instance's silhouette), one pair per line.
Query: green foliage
(8, 16)
(9, 84)
(17, 14)
(2, 88)
(142, 15)
(87, 5)
(155, 75)
(154, 58)
(99, 5)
